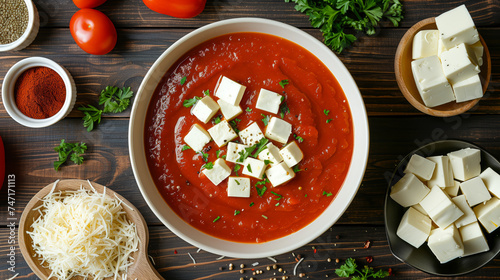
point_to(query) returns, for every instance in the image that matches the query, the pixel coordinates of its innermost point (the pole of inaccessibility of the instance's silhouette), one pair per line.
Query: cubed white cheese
(420, 209)
(446, 244)
(238, 187)
(468, 89)
(219, 172)
(489, 214)
(453, 191)
(230, 91)
(425, 43)
(475, 191)
(431, 81)
(441, 47)
(253, 167)
(278, 130)
(222, 133)
(205, 109)
(478, 50)
(292, 154)
(268, 101)
(414, 227)
(409, 190)
(251, 135)
(469, 216)
(473, 239)
(456, 26)
(443, 173)
(229, 111)
(279, 174)
(440, 207)
(233, 152)
(197, 138)
(420, 167)
(466, 163)
(492, 181)
(459, 63)
(272, 154)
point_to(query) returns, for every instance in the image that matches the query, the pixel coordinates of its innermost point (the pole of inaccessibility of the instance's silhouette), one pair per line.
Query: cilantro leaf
(114, 99)
(183, 80)
(283, 83)
(185, 147)
(190, 102)
(266, 119)
(284, 109)
(72, 150)
(208, 165)
(261, 191)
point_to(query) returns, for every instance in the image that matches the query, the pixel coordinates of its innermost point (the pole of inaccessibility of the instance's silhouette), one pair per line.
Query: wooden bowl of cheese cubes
(450, 230)
(443, 68)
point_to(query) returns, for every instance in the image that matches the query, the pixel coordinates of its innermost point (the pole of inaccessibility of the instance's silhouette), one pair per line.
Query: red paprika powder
(40, 92)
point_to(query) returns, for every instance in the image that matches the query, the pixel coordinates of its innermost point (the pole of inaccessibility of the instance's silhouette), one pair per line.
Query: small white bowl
(9, 83)
(29, 34)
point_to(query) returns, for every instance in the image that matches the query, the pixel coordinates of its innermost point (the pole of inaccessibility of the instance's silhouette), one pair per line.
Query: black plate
(422, 258)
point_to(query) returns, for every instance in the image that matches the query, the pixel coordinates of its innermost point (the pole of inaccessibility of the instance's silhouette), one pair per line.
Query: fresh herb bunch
(114, 99)
(333, 17)
(72, 150)
(349, 269)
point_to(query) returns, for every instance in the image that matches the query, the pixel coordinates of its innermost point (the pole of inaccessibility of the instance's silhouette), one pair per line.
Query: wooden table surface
(396, 129)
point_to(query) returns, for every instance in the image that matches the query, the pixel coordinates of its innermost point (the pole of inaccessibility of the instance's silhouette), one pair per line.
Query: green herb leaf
(236, 169)
(114, 99)
(261, 191)
(266, 119)
(216, 120)
(349, 269)
(266, 162)
(217, 153)
(284, 109)
(185, 147)
(234, 125)
(329, 120)
(263, 182)
(327, 193)
(216, 219)
(248, 109)
(277, 204)
(208, 165)
(91, 115)
(258, 147)
(190, 102)
(249, 168)
(296, 169)
(183, 80)
(264, 216)
(326, 112)
(279, 196)
(204, 156)
(236, 212)
(206, 92)
(72, 150)
(252, 204)
(283, 83)
(238, 183)
(299, 139)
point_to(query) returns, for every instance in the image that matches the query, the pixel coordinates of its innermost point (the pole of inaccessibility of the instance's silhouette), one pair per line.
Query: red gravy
(256, 61)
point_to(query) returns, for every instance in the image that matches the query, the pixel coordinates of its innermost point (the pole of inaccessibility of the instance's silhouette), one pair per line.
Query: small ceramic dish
(29, 34)
(422, 258)
(8, 97)
(406, 83)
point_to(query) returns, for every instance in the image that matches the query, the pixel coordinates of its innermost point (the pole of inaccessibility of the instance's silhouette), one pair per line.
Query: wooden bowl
(140, 269)
(404, 74)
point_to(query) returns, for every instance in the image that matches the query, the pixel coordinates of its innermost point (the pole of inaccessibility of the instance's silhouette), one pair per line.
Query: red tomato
(93, 31)
(2, 163)
(82, 4)
(177, 8)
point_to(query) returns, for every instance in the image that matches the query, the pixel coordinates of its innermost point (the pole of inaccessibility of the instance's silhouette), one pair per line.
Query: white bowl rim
(29, 28)
(8, 91)
(287, 243)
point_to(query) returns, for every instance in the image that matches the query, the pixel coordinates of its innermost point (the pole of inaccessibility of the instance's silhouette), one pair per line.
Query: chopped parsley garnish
(266, 119)
(277, 204)
(263, 182)
(300, 139)
(266, 162)
(236, 212)
(296, 169)
(236, 169)
(327, 193)
(248, 109)
(237, 183)
(72, 150)
(208, 165)
(206, 92)
(234, 125)
(249, 167)
(326, 112)
(252, 204)
(216, 120)
(217, 153)
(284, 109)
(190, 102)
(185, 147)
(261, 191)
(264, 216)
(329, 120)
(204, 156)
(183, 80)
(350, 269)
(216, 219)
(283, 83)
(279, 196)
(259, 147)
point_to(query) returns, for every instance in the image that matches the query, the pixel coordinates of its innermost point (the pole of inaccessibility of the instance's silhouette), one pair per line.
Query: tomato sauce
(319, 114)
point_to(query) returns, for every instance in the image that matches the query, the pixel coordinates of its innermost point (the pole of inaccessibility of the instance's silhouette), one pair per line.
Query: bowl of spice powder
(38, 92)
(19, 24)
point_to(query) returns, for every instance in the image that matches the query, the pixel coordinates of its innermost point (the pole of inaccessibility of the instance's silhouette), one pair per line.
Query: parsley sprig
(350, 268)
(72, 150)
(338, 20)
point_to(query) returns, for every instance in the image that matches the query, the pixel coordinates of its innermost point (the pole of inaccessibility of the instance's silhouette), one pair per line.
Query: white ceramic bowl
(29, 34)
(9, 83)
(224, 247)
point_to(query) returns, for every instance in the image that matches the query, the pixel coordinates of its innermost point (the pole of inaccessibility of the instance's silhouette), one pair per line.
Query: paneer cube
(431, 82)
(466, 163)
(251, 135)
(253, 167)
(197, 138)
(279, 174)
(492, 181)
(478, 50)
(238, 187)
(278, 130)
(440, 208)
(420, 167)
(453, 191)
(292, 154)
(469, 216)
(468, 89)
(443, 174)
(272, 154)
(475, 191)
(205, 109)
(425, 43)
(268, 101)
(230, 91)
(459, 63)
(233, 152)
(489, 214)
(456, 26)
(409, 190)
(446, 244)
(229, 111)
(222, 133)
(219, 172)
(414, 228)
(473, 239)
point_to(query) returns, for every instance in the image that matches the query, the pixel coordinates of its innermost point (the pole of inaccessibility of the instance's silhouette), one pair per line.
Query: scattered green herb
(277, 204)
(299, 139)
(266, 162)
(259, 147)
(249, 168)
(183, 80)
(296, 169)
(206, 92)
(266, 119)
(238, 183)
(204, 156)
(185, 147)
(72, 150)
(252, 204)
(327, 193)
(234, 125)
(350, 268)
(190, 102)
(248, 109)
(264, 216)
(217, 153)
(216, 120)
(329, 120)
(208, 165)
(236, 212)
(261, 191)
(326, 112)
(284, 109)
(279, 196)
(283, 83)
(91, 115)
(216, 219)
(263, 182)
(236, 169)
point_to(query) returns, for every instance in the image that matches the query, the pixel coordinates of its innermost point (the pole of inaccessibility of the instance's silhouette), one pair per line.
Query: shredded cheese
(83, 233)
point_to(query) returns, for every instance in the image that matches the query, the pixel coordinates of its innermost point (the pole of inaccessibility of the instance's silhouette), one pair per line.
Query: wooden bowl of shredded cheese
(76, 229)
